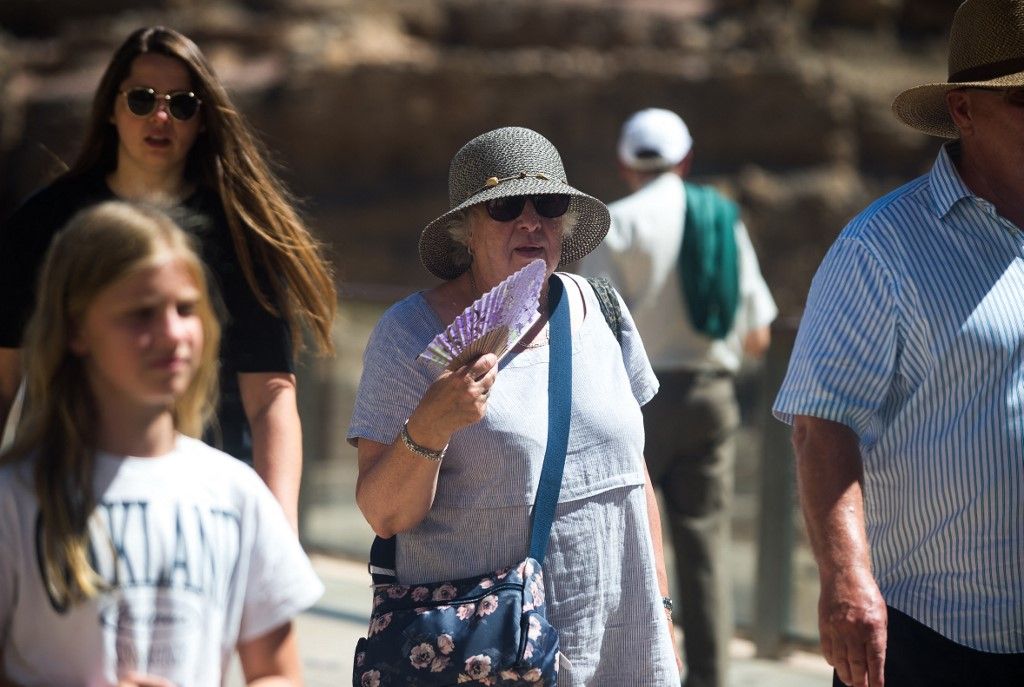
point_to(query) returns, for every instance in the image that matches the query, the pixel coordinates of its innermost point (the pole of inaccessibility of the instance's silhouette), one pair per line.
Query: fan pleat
(492, 323)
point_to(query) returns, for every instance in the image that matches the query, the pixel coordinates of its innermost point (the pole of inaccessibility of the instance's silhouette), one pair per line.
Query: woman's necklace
(543, 338)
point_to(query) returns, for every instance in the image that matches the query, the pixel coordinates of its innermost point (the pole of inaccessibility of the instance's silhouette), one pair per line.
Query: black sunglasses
(548, 205)
(141, 101)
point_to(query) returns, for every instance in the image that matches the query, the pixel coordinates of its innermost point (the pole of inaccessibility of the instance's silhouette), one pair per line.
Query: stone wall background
(362, 103)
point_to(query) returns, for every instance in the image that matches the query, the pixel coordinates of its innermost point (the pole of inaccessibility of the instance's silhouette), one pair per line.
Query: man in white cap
(906, 392)
(681, 258)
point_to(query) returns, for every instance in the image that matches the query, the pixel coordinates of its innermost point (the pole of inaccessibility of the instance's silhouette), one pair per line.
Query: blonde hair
(265, 228)
(99, 246)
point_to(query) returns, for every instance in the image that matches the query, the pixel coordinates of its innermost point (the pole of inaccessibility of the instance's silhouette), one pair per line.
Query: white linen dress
(600, 582)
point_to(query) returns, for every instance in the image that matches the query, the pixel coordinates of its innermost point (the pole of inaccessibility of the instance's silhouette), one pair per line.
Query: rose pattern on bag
(487, 630)
(478, 667)
(488, 605)
(422, 656)
(445, 592)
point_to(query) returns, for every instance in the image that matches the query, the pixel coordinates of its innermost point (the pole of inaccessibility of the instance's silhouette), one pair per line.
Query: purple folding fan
(493, 323)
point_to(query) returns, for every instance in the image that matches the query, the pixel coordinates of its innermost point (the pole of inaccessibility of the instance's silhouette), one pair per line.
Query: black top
(253, 341)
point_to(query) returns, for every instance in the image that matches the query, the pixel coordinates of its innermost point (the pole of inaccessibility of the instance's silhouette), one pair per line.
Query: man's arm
(756, 342)
(852, 616)
(10, 377)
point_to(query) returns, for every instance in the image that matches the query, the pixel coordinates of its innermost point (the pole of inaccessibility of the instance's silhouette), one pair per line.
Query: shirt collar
(947, 188)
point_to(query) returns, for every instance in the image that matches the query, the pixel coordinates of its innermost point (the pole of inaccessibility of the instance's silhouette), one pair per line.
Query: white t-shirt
(641, 257)
(202, 556)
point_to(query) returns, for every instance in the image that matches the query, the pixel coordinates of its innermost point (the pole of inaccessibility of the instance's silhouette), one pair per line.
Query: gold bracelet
(428, 453)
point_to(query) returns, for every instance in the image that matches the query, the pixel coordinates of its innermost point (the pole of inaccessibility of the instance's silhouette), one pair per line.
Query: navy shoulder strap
(382, 553)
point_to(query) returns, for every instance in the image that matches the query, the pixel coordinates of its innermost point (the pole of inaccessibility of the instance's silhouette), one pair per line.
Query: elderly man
(684, 264)
(906, 392)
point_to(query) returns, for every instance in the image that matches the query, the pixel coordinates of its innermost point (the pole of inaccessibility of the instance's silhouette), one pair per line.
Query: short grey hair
(458, 228)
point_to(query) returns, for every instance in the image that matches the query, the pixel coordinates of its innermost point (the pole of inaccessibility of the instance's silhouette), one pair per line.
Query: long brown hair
(100, 245)
(265, 228)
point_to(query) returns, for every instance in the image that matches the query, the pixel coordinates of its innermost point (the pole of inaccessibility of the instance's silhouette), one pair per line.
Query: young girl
(163, 130)
(133, 553)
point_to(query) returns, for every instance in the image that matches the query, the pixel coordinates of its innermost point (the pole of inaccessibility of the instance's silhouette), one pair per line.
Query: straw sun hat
(511, 161)
(986, 49)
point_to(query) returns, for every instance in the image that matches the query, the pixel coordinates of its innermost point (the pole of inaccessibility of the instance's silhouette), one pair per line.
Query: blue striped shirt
(913, 337)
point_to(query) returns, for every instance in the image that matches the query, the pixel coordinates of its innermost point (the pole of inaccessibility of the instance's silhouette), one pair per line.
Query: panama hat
(511, 161)
(986, 50)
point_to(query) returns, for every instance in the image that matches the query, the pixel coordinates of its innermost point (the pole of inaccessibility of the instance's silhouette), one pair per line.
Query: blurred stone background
(361, 104)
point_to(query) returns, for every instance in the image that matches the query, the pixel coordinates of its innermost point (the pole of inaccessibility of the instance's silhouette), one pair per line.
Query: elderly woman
(450, 463)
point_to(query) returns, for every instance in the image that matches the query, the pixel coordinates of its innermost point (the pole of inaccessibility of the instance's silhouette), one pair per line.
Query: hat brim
(437, 247)
(924, 107)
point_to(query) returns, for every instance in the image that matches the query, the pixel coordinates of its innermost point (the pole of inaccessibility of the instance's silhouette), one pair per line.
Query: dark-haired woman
(163, 131)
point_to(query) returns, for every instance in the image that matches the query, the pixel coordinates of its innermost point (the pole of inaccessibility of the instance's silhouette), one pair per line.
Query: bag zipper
(458, 601)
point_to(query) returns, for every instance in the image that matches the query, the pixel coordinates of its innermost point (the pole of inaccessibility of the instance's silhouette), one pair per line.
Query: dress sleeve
(281, 581)
(255, 340)
(393, 379)
(642, 381)
(846, 351)
(24, 240)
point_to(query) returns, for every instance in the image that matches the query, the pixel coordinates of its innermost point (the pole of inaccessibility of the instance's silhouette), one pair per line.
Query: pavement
(328, 633)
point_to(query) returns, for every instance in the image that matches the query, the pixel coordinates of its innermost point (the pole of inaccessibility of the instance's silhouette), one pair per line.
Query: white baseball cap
(654, 138)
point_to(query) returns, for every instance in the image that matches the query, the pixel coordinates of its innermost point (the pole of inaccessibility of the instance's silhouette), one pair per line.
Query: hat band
(491, 182)
(986, 72)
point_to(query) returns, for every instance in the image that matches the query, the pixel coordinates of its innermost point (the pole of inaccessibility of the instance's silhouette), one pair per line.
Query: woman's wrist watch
(428, 453)
(666, 603)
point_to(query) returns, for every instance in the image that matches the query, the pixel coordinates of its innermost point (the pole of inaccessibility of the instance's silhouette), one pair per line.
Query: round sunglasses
(141, 101)
(550, 205)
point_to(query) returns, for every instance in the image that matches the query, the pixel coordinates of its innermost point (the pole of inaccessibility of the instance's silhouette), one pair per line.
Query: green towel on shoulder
(708, 261)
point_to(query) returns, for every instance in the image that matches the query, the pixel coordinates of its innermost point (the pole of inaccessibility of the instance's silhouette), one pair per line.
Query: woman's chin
(522, 257)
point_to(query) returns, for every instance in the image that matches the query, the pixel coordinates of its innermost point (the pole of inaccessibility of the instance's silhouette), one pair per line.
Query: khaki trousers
(690, 450)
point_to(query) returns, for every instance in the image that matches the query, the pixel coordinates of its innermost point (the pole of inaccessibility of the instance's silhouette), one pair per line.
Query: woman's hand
(675, 642)
(456, 400)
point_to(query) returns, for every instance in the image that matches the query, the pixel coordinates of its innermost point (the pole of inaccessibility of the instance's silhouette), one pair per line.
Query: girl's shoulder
(195, 454)
(191, 464)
